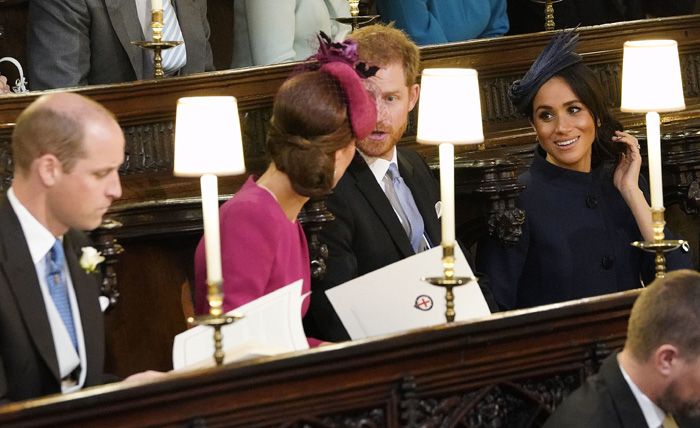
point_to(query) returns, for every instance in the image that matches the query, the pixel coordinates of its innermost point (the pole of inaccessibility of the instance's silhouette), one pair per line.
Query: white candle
(210, 212)
(654, 154)
(447, 193)
(156, 4)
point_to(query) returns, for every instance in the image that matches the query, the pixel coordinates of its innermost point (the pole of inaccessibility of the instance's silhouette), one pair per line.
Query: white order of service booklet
(270, 325)
(394, 299)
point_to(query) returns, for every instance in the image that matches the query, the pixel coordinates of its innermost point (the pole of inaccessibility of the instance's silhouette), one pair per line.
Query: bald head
(56, 124)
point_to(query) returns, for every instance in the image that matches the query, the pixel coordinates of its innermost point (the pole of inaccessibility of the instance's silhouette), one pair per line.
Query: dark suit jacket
(603, 401)
(87, 42)
(366, 234)
(28, 363)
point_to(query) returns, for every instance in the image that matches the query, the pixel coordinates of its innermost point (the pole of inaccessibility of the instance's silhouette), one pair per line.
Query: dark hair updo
(309, 124)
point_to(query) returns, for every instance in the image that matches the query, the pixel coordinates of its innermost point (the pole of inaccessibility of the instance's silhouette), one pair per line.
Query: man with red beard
(379, 217)
(655, 381)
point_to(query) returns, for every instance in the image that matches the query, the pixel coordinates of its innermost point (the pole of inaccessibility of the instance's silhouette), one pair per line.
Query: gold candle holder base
(659, 245)
(217, 322)
(216, 319)
(157, 47)
(357, 21)
(448, 280)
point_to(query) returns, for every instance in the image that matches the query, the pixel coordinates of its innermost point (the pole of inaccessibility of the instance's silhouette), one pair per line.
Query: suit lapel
(368, 186)
(187, 26)
(421, 196)
(628, 410)
(126, 24)
(86, 294)
(18, 268)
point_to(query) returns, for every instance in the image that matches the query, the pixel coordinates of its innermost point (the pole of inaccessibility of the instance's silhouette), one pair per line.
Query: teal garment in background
(441, 21)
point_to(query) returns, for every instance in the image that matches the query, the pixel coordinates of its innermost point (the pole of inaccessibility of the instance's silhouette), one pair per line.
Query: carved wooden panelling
(149, 148)
(5, 164)
(254, 125)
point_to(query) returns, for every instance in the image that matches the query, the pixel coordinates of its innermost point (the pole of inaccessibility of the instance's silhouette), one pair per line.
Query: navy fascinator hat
(556, 56)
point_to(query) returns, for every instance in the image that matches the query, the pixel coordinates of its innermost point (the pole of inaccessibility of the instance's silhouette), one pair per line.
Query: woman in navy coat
(584, 201)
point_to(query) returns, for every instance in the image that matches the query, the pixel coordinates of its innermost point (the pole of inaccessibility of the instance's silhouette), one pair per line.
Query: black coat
(575, 242)
(366, 234)
(605, 400)
(28, 362)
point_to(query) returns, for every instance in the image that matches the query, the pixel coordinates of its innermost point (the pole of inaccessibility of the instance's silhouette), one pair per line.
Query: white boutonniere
(90, 259)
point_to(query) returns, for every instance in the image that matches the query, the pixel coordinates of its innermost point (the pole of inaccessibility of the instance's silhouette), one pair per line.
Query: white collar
(38, 238)
(379, 166)
(653, 414)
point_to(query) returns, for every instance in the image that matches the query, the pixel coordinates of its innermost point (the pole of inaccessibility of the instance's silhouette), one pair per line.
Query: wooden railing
(507, 370)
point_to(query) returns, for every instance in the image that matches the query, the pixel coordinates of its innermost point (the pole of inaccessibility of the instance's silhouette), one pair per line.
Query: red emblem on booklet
(423, 302)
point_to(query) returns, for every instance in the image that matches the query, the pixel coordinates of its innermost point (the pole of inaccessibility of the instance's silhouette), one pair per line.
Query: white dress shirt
(653, 414)
(40, 240)
(379, 168)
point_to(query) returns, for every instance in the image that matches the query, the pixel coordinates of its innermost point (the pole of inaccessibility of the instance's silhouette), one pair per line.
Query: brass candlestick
(548, 13)
(157, 44)
(216, 319)
(659, 245)
(355, 19)
(448, 280)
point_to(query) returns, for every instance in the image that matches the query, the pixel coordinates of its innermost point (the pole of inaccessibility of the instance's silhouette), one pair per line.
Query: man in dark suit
(368, 233)
(655, 380)
(66, 153)
(87, 42)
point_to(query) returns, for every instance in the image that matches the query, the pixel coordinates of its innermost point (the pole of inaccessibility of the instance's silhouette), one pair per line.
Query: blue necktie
(173, 58)
(58, 287)
(401, 199)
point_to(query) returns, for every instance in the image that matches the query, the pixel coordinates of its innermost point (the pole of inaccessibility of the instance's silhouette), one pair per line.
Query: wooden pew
(508, 370)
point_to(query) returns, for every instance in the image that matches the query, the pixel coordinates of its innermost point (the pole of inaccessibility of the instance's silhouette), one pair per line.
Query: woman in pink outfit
(317, 117)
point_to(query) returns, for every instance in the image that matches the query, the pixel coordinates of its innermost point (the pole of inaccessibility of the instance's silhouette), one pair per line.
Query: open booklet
(270, 325)
(394, 299)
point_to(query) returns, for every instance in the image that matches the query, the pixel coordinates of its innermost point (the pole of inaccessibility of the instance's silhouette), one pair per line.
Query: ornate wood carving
(682, 168)
(312, 217)
(508, 404)
(110, 249)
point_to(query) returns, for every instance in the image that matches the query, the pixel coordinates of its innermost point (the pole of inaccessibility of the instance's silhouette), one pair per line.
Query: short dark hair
(667, 311)
(585, 85)
(44, 128)
(309, 124)
(39, 131)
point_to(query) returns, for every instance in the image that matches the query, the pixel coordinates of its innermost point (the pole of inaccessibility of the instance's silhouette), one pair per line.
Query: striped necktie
(174, 58)
(58, 287)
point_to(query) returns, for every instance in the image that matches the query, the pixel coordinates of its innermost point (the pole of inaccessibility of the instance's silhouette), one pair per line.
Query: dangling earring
(598, 122)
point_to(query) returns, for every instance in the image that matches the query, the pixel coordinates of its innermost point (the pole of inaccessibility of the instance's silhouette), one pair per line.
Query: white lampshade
(449, 109)
(651, 77)
(208, 137)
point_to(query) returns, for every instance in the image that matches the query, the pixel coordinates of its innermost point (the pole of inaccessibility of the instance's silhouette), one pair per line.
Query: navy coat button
(591, 201)
(607, 262)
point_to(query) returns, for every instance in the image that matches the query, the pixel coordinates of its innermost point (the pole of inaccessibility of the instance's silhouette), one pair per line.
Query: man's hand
(147, 376)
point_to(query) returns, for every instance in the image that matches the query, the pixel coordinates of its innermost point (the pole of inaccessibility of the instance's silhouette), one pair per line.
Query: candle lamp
(208, 144)
(449, 113)
(157, 45)
(651, 83)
